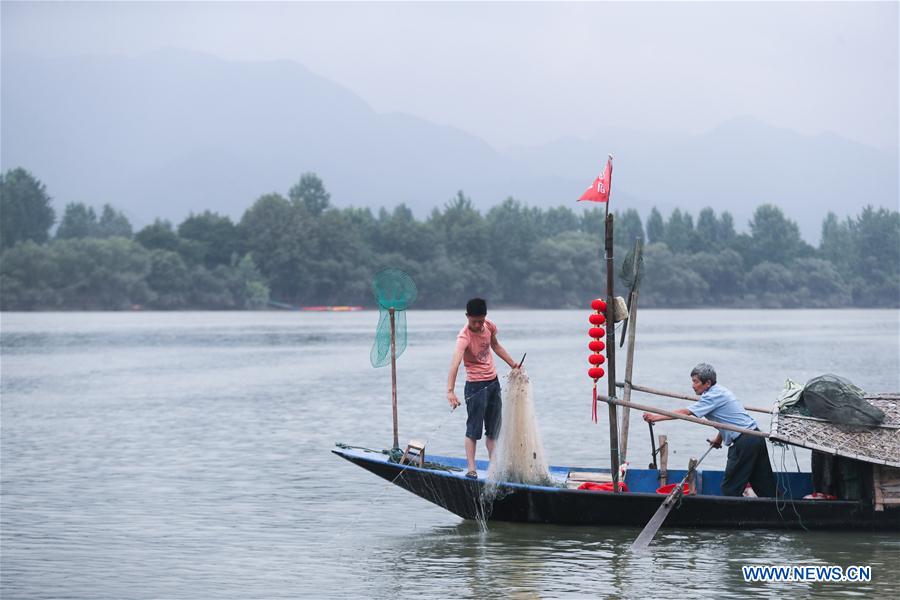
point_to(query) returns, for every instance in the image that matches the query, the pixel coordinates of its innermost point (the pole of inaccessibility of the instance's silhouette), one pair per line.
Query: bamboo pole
(611, 353)
(648, 390)
(394, 376)
(629, 358)
(675, 415)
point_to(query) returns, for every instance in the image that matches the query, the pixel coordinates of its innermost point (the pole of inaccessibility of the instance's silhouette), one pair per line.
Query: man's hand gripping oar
(646, 536)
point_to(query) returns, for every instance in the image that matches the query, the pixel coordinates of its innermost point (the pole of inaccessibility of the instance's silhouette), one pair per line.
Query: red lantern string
(596, 346)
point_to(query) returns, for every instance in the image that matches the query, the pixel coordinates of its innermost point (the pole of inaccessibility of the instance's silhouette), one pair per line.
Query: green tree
(837, 241)
(84, 274)
(78, 221)
(627, 227)
(514, 231)
(875, 256)
(113, 223)
(216, 236)
(25, 211)
(876, 236)
(463, 237)
(656, 229)
(726, 228)
(169, 280)
(310, 193)
(158, 236)
(723, 273)
(400, 233)
(280, 239)
(339, 264)
(462, 230)
(708, 229)
(771, 284)
(593, 221)
(27, 275)
(558, 220)
(564, 271)
(774, 238)
(248, 286)
(818, 284)
(680, 236)
(669, 281)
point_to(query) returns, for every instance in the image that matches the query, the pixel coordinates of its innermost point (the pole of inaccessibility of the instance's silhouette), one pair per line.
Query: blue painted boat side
(639, 481)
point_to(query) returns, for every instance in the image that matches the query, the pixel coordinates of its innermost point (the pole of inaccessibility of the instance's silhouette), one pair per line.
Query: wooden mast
(394, 376)
(611, 352)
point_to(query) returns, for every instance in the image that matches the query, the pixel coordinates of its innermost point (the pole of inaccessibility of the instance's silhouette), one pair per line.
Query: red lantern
(596, 332)
(596, 345)
(598, 304)
(597, 319)
(596, 359)
(595, 373)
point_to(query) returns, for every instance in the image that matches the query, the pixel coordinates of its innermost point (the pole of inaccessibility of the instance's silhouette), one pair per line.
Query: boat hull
(475, 499)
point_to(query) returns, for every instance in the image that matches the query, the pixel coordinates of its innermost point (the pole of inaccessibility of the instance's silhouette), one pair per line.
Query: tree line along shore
(300, 250)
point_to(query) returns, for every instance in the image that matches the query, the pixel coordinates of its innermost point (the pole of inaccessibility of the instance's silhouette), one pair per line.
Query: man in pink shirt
(482, 392)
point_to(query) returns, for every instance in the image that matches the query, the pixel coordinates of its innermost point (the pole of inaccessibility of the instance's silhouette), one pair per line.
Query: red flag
(599, 190)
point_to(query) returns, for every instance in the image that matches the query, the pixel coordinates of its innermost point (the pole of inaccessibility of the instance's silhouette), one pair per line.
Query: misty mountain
(173, 132)
(736, 166)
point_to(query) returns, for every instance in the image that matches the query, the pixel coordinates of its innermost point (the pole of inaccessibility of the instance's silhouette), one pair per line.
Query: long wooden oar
(643, 540)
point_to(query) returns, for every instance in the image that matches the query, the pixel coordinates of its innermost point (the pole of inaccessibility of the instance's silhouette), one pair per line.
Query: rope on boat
(395, 457)
(788, 498)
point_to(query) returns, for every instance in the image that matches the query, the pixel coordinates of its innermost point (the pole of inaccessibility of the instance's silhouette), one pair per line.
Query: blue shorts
(483, 406)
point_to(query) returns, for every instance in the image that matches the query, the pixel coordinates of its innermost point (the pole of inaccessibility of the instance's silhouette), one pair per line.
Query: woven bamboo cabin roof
(879, 445)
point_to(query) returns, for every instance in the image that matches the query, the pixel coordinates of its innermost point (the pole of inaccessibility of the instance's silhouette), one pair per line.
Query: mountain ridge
(173, 132)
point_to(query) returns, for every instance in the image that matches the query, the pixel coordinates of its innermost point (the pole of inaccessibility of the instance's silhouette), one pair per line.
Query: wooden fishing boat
(442, 480)
(445, 485)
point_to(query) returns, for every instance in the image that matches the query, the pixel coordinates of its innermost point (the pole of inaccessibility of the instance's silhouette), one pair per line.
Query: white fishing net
(518, 456)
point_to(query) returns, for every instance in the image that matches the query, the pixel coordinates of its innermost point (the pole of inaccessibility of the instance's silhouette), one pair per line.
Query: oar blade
(643, 540)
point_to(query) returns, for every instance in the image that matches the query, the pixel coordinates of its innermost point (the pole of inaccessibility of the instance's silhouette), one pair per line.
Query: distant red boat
(284, 306)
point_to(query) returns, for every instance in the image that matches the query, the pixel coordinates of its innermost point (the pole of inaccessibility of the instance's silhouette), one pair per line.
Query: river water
(187, 455)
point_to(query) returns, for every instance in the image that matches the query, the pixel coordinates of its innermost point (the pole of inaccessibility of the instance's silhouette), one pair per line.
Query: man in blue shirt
(748, 457)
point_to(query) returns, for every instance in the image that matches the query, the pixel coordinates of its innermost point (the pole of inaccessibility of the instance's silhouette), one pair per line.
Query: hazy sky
(527, 73)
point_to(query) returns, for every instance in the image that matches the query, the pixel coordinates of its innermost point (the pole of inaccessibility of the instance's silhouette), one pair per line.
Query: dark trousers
(748, 461)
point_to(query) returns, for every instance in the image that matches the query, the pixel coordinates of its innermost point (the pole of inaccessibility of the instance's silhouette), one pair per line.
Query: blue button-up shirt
(719, 404)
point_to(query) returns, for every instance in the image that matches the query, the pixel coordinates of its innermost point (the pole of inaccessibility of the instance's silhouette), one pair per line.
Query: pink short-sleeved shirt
(477, 355)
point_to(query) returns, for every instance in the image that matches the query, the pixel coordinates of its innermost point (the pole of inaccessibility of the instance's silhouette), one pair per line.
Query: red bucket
(667, 489)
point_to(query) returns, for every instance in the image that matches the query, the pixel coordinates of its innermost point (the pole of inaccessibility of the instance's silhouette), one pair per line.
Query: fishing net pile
(832, 415)
(519, 454)
(837, 400)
